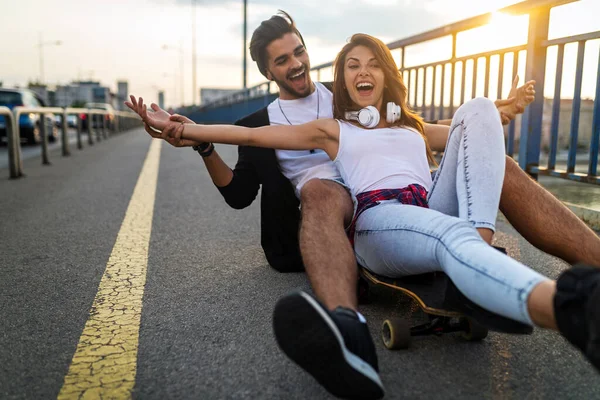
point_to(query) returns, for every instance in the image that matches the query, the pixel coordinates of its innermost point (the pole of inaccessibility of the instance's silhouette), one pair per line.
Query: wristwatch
(204, 149)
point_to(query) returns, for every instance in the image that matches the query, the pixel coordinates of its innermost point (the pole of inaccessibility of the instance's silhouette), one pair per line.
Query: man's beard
(285, 86)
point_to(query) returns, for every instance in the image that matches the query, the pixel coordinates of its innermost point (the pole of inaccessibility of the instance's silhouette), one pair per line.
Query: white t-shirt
(301, 166)
(385, 158)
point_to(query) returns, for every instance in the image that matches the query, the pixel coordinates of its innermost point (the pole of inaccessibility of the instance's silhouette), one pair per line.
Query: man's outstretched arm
(239, 187)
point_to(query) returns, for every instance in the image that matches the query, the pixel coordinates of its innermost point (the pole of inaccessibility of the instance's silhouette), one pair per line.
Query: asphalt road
(205, 330)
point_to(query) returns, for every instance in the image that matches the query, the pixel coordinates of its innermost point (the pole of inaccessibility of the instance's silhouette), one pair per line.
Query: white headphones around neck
(369, 116)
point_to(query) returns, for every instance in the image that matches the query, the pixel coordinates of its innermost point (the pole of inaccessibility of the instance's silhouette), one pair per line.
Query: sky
(114, 40)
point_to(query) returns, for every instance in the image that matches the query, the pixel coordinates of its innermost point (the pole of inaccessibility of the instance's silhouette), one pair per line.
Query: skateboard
(447, 308)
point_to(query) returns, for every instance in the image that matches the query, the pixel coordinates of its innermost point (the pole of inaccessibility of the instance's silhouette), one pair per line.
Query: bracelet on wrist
(204, 149)
(208, 152)
(202, 146)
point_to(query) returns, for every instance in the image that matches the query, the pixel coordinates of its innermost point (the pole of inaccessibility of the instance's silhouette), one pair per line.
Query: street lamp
(180, 49)
(194, 52)
(41, 45)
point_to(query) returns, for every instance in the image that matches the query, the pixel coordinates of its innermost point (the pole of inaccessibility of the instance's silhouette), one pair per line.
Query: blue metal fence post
(531, 124)
(576, 108)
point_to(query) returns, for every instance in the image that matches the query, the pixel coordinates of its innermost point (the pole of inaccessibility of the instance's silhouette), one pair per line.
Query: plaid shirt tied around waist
(415, 195)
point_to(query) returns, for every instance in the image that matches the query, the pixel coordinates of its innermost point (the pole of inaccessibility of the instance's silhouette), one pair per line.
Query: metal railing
(592, 173)
(260, 90)
(14, 149)
(428, 82)
(121, 121)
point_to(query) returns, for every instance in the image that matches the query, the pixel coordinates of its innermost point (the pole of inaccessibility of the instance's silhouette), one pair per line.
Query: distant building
(78, 93)
(161, 99)
(122, 94)
(208, 95)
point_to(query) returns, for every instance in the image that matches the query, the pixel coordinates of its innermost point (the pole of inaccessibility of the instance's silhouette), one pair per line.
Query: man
(335, 336)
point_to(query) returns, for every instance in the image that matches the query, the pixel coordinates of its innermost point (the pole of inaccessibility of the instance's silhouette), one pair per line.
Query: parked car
(29, 123)
(97, 119)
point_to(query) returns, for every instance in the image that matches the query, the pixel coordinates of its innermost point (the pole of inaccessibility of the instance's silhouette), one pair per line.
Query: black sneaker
(456, 300)
(577, 310)
(334, 347)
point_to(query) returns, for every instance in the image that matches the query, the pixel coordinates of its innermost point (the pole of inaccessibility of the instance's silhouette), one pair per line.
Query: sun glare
(502, 31)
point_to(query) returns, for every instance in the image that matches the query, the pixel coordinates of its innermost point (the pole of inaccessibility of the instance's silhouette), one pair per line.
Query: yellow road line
(104, 364)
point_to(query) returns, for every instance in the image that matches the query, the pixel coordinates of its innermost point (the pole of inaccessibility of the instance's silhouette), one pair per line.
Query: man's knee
(325, 198)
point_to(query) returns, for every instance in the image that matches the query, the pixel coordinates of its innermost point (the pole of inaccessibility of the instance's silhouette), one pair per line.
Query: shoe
(457, 301)
(577, 310)
(336, 348)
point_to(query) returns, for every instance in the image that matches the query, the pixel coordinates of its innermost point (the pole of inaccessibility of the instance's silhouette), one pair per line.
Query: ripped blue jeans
(394, 239)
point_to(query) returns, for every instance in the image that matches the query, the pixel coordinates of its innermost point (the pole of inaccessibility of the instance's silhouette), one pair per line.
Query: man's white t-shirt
(301, 166)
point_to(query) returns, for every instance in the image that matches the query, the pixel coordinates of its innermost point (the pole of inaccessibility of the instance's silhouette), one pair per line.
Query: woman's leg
(469, 180)
(395, 240)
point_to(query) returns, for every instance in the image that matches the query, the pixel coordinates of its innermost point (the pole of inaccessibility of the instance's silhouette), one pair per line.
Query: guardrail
(428, 84)
(14, 148)
(592, 173)
(121, 121)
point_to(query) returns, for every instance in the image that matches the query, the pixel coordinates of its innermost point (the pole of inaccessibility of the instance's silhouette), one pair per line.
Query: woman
(395, 233)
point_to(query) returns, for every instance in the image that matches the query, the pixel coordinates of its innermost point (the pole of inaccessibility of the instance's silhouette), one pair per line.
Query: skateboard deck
(427, 290)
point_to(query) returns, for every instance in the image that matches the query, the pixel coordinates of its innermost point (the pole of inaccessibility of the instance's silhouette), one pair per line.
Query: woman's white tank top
(385, 158)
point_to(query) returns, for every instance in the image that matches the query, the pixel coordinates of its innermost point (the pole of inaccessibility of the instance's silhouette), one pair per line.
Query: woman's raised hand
(172, 130)
(157, 119)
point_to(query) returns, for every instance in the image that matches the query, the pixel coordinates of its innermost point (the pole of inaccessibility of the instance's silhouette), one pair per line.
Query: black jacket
(279, 207)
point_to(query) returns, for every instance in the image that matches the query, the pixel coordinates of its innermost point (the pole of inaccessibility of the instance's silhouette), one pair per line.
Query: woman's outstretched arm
(319, 134)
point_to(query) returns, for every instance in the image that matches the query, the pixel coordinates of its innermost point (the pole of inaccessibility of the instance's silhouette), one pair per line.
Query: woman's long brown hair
(394, 90)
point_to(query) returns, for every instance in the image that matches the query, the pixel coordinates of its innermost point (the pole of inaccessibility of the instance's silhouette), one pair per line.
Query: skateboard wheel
(474, 331)
(395, 333)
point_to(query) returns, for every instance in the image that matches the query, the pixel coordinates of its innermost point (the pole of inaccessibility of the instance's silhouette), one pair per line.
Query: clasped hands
(160, 124)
